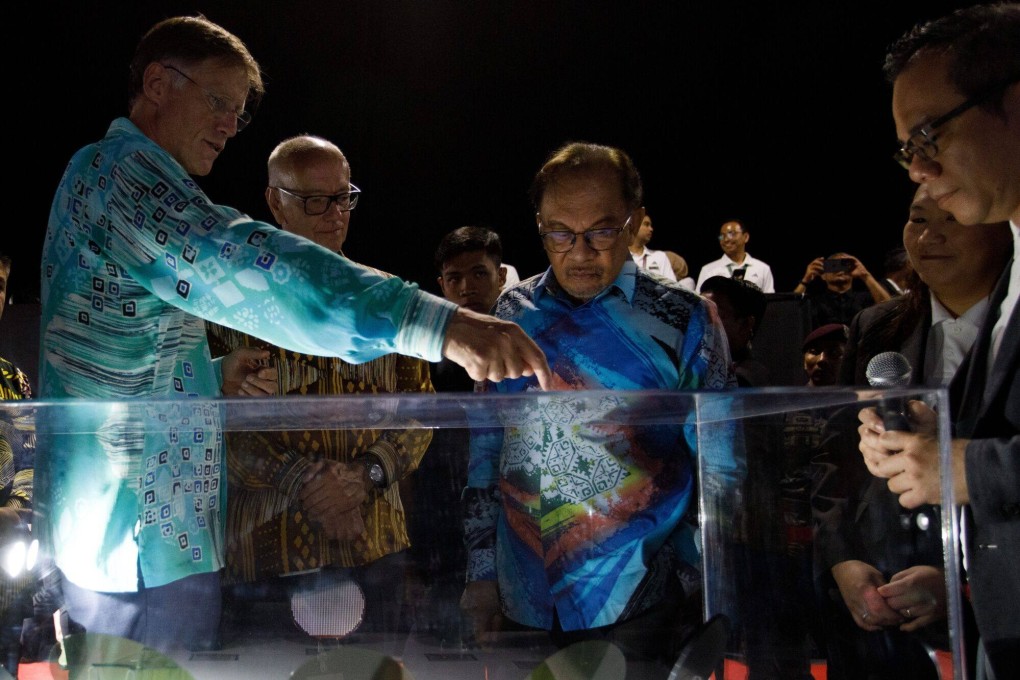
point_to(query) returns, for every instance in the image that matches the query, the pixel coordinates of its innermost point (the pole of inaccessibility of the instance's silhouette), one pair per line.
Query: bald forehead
(288, 162)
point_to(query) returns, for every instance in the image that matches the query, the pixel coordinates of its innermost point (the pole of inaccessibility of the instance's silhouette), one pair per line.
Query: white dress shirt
(654, 261)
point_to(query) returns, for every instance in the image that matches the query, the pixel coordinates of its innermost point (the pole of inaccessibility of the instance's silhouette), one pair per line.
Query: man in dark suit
(956, 105)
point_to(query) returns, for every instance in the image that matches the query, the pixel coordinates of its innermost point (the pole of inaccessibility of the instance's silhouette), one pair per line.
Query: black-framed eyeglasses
(562, 240)
(217, 104)
(317, 205)
(923, 143)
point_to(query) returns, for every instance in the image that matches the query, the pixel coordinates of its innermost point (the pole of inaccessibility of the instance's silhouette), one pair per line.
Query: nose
(581, 248)
(931, 234)
(923, 170)
(333, 210)
(227, 123)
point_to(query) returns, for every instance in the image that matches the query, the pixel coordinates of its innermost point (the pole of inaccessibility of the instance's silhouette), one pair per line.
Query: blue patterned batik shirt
(136, 258)
(567, 510)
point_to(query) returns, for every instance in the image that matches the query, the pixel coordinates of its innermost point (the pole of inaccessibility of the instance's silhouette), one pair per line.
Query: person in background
(828, 284)
(736, 262)
(823, 354)
(898, 270)
(135, 260)
(680, 269)
(511, 277)
(741, 307)
(471, 272)
(530, 511)
(337, 489)
(468, 262)
(17, 451)
(887, 570)
(956, 107)
(654, 261)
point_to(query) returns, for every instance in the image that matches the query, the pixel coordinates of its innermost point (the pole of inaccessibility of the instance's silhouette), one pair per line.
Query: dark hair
(192, 40)
(983, 40)
(576, 156)
(5, 261)
(746, 298)
(468, 240)
(895, 260)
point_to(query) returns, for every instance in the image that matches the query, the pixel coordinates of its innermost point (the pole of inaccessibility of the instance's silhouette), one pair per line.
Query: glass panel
(780, 497)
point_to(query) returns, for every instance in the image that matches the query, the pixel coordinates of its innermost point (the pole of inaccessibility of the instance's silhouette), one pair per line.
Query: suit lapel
(915, 344)
(977, 390)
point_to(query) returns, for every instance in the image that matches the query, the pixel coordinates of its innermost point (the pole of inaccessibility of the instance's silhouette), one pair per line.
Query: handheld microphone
(891, 369)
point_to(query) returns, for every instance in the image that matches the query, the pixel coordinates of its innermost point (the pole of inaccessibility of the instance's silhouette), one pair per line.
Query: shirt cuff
(423, 327)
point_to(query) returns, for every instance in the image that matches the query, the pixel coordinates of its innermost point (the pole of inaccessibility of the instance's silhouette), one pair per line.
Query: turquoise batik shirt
(135, 260)
(565, 509)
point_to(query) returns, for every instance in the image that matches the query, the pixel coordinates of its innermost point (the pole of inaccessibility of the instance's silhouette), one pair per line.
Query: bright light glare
(32, 556)
(14, 558)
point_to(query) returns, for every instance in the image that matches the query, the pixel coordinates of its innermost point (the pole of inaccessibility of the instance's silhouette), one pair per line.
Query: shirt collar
(972, 316)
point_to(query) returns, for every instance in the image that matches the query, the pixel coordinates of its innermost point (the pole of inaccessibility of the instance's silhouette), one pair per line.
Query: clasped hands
(332, 494)
(912, 599)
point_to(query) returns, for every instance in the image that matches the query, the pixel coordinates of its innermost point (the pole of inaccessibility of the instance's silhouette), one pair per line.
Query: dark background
(776, 114)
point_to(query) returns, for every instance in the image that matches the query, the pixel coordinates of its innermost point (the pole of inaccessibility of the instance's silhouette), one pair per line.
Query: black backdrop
(775, 113)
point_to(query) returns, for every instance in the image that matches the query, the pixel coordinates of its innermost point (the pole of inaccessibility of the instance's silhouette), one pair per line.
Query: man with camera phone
(828, 283)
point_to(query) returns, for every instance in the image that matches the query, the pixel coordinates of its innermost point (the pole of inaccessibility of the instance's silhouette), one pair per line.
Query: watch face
(375, 473)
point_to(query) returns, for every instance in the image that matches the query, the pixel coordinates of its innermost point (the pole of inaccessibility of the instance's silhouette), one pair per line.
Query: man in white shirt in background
(654, 261)
(736, 263)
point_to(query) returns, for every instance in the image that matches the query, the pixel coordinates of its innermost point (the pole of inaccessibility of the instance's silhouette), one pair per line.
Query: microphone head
(888, 369)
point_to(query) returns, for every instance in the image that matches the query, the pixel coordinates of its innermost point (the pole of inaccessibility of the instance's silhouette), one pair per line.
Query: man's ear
(502, 275)
(156, 82)
(636, 219)
(275, 205)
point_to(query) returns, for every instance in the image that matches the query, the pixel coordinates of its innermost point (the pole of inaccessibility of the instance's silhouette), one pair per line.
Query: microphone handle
(894, 414)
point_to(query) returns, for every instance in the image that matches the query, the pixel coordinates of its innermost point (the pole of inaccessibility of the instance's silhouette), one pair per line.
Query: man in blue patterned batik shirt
(584, 529)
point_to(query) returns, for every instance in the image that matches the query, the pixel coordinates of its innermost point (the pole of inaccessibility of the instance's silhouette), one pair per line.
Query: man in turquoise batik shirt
(581, 525)
(136, 258)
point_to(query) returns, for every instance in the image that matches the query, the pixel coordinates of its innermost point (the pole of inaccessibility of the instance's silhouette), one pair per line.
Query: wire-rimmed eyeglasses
(317, 205)
(923, 143)
(562, 240)
(217, 104)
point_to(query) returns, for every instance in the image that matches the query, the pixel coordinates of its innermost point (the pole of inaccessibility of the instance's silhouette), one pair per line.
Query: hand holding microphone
(899, 438)
(890, 370)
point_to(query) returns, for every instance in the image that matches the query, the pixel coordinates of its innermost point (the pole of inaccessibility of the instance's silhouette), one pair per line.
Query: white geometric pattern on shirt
(560, 440)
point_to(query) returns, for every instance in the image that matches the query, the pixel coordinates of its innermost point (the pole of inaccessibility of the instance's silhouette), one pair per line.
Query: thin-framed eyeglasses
(562, 240)
(317, 205)
(923, 143)
(730, 235)
(217, 104)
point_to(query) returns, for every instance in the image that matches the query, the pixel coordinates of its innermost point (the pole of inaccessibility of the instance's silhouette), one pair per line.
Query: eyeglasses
(217, 104)
(562, 241)
(730, 234)
(923, 142)
(317, 205)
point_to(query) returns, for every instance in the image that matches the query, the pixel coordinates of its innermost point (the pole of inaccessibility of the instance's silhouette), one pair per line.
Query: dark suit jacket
(859, 518)
(987, 411)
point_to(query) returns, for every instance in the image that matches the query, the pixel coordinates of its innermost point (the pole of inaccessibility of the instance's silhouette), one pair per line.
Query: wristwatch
(374, 471)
